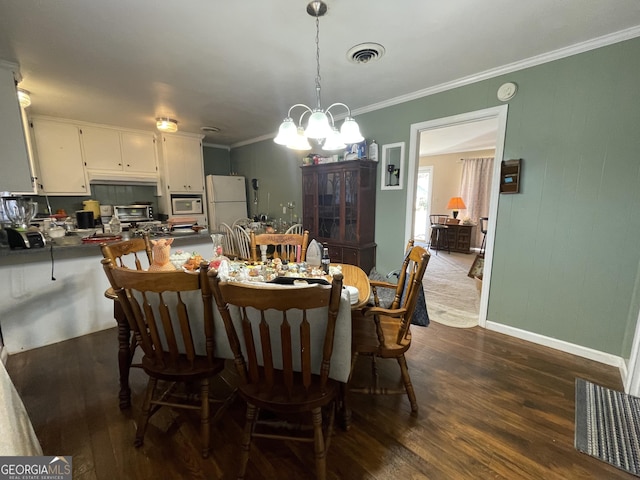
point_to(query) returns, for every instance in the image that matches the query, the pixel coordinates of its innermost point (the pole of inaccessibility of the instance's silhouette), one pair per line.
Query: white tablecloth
(17, 437)
(340, 359)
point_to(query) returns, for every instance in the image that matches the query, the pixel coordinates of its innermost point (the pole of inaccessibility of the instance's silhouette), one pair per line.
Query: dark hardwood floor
(491, 407)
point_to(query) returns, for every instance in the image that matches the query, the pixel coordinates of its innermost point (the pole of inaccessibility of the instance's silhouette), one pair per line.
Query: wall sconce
(165, 124)
(455, 204)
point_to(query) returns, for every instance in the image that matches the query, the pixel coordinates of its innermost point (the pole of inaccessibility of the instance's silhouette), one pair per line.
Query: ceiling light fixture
(320, 126)
(24, 98)
(165, 124)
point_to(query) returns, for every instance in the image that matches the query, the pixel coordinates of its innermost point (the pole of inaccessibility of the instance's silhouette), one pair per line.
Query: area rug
(452, 297)
(608, 425)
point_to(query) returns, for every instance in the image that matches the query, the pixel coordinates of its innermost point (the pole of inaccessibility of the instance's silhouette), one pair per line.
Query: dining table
(353, 276)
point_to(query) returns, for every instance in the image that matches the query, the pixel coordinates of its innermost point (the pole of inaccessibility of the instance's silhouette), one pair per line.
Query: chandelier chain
(318, 62)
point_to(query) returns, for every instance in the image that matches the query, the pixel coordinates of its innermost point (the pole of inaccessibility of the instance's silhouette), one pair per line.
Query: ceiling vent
(210, 129)
(365, 53)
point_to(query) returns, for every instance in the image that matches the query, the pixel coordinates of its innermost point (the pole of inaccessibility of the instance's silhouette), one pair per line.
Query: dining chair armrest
(387, 312)
(378, 283)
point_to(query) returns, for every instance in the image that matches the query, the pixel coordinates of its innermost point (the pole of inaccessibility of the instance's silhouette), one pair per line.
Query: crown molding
(569, 51)
(575, 49)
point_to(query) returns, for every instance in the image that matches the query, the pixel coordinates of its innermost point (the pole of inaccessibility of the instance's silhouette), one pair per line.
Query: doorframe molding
(500, 114)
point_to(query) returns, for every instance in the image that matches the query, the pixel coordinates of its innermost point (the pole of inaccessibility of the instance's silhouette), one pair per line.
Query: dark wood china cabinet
(338, 209)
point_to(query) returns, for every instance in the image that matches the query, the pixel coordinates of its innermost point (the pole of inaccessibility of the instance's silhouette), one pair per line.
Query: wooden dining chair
(287, 246)
(228, 243)
(135, 253)
(165, 324)
(274, 356)
(385, 333)
(439, 232)
(296, 228)
(242, 242)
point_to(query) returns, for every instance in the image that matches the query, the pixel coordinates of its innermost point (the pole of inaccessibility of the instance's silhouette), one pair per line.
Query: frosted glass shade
(333, 141)
(350, 131)
(318, 126)
(287, 132)
(300, 142)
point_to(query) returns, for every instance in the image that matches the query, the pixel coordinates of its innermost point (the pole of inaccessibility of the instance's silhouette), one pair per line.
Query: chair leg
(205, 426)
(318, 442)
(249, 424)
(145, 413)
(344, 408)
(406, 379)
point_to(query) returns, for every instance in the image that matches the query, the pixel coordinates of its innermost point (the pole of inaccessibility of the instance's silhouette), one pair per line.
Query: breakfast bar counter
(54, 294)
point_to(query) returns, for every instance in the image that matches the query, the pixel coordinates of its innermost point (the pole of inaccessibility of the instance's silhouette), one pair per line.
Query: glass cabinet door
(329, 191)
(351, 205)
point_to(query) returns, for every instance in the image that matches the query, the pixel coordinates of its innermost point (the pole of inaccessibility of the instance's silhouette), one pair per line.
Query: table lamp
(455, 204)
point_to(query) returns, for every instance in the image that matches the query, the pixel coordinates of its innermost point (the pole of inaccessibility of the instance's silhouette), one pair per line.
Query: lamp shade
(333, 141)
(318, 126)
(350, 131)
(456, 203)
(287, 132)
(299, 142)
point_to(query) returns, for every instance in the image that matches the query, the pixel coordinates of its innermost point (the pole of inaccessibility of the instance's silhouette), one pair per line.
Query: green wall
(279, 178)
(566, 258)
(217, 161)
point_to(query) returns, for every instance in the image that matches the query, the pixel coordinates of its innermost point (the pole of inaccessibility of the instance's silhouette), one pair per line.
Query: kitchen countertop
(28, 255)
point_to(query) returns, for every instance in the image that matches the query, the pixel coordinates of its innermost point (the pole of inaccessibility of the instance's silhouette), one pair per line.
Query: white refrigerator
(226, 200)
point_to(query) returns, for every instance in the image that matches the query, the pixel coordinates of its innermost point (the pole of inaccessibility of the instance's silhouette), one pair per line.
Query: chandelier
(321, 124)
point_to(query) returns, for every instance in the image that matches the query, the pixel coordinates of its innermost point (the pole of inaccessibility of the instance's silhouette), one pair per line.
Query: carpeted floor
(452, 297)
(608, 425)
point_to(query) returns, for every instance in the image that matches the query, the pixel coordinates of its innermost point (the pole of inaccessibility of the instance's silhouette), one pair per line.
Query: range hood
(109, 178)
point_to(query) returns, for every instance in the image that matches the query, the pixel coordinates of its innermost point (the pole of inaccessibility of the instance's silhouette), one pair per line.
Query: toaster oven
(133, 213)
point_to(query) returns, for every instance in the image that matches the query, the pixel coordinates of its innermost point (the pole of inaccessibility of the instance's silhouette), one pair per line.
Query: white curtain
(475, 188)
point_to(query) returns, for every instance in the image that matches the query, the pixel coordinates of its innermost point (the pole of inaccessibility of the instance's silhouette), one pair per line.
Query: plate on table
(292, 280)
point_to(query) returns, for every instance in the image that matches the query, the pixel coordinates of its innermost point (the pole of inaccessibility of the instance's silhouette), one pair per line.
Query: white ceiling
(239, 65)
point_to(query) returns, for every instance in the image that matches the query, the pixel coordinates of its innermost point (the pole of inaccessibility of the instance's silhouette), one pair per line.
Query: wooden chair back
(409, 285)
(127, 253)
(269, 352)
(297, 228)
(242, 242)
(287, 246)
(160, 318)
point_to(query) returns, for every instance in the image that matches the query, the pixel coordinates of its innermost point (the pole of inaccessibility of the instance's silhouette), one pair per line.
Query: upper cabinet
(59, 155)
(111, 150)
(14, 156)
(182, 163)
(71, 155)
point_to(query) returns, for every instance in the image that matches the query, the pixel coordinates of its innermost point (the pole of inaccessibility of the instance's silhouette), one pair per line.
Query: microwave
(133, 213)
(186, 205)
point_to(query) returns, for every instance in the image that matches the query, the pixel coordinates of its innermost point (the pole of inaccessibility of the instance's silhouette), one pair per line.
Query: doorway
(500, 115)
(422, 204)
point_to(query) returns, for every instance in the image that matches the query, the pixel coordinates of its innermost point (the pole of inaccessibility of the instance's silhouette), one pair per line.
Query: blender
(19, 211)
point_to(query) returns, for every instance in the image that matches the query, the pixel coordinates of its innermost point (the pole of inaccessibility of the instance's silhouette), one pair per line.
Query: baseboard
(580, 351)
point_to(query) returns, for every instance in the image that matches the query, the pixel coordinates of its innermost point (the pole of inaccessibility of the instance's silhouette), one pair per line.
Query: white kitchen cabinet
(17, 173)
(59, 155)
(183, 165)
(101, 148)
(112, 150)
(139, 152)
